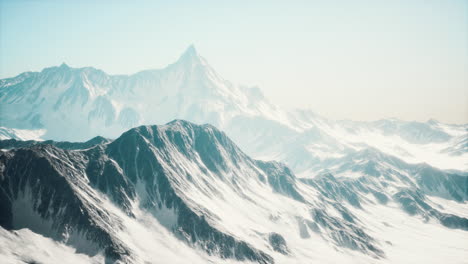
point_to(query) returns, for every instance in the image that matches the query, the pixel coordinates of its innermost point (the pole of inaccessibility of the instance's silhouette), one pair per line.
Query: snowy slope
(182, 192)
(25, 246)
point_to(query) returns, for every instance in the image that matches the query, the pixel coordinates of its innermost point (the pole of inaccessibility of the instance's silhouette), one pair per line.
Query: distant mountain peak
(190, 55)
(191, 50)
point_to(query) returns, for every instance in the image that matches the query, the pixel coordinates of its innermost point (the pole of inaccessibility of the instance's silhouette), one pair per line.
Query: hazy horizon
(363, 61)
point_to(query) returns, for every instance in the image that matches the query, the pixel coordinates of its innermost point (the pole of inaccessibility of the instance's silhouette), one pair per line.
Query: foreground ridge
(183, 184)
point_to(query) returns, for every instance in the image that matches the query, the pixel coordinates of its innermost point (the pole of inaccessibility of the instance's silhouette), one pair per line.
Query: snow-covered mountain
(349, 192)
(182, 191)
(77, 104)
(308, 151)
(64, 103)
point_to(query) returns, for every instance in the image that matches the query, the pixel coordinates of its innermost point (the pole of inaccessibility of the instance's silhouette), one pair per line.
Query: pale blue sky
(361, 60)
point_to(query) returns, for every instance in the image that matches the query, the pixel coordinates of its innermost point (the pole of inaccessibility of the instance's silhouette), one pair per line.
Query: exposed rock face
(58, 184)
(44, 189)
(278, 243)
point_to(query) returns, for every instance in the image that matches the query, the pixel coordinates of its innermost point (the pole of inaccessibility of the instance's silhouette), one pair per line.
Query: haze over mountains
(63, 103)
(352, 192)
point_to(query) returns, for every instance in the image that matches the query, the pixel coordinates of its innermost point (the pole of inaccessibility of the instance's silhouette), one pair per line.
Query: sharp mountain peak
(190, 56)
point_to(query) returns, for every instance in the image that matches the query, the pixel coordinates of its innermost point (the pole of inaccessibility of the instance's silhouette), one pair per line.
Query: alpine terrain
(179, 165)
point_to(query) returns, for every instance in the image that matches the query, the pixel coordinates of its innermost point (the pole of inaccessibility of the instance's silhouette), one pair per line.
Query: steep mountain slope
(183, 191)
(77, 104)
(385, 178)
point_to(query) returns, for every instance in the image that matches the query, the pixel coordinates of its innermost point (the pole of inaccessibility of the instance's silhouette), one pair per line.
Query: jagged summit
(190, 55)
(185, 123)
(191, 50)
(184, 134)
(180, 122)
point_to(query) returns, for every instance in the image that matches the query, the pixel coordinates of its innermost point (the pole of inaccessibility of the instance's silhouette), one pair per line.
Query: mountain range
(93, 168)
(76, 104)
